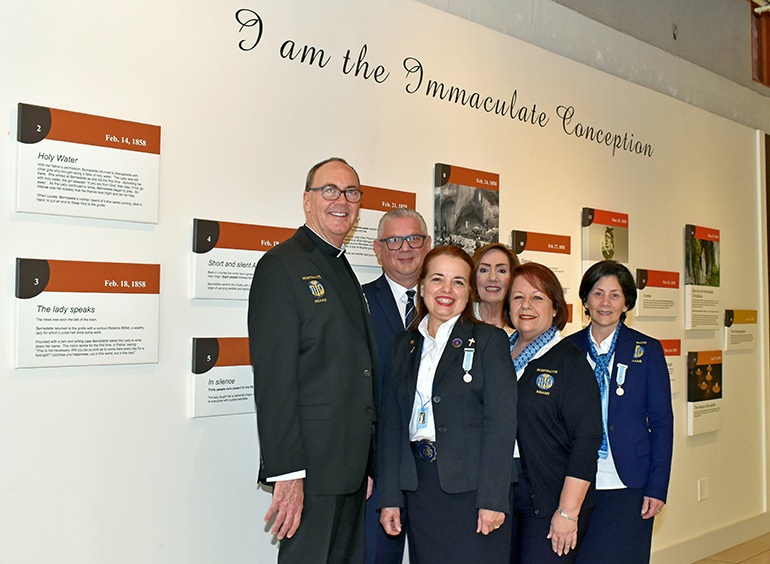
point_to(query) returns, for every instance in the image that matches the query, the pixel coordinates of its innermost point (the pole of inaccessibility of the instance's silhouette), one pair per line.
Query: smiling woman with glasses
(331, 192)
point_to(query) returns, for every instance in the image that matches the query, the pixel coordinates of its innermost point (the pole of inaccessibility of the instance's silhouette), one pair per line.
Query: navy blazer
(475, 421)
(640, 422)
(386, 319)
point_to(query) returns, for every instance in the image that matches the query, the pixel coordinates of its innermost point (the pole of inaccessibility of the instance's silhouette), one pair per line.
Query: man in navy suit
(401, 245)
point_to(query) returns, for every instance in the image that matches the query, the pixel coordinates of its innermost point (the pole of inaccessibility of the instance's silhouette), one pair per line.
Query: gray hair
(401, 212)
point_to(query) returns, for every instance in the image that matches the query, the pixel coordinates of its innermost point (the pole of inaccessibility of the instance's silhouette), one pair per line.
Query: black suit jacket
(314, 357)
(475, 421)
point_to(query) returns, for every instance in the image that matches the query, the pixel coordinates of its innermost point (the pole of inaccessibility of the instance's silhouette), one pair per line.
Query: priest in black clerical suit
(314, 358)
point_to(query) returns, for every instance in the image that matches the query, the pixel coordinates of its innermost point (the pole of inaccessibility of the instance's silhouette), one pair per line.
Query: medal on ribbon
(468, 364)
(621, 379)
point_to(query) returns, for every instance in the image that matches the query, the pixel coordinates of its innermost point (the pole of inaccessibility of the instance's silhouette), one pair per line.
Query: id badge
(422, 418)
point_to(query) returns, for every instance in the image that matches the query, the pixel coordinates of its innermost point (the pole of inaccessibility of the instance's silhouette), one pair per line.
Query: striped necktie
(410, 309)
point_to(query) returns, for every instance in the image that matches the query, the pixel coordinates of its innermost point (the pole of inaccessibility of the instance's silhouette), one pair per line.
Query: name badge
(422, 418)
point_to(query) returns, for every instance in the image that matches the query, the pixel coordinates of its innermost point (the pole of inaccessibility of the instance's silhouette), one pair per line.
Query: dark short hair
(315, 167)
(444, 250)
(609, 268)
(543, 278)
(513, 263)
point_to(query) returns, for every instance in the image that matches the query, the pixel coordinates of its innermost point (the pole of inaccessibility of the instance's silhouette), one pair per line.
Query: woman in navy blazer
(446, 425)
(635, 457)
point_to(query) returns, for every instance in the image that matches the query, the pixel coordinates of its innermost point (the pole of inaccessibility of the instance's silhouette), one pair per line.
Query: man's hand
(369, 486)
(288, 497)
(390, 517)
(489, 521)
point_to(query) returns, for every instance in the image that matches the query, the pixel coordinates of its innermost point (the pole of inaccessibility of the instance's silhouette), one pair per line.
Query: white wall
(722, 83)
(104, 464)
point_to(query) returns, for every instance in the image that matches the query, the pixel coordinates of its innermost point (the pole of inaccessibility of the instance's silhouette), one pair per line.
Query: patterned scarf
(529, 352)
(602, 372)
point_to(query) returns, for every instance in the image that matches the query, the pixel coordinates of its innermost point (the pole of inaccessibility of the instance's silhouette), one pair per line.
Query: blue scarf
(529, 352)
(602, 373)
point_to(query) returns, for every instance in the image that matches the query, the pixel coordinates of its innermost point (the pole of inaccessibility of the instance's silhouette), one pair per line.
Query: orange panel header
(706, 233)
(662, 279)
(233, 351)
(384, 199)
(209, 234)
(709, 357)
(611, 218)
(671, 347)
(103, 277)
(475, 178)
(251, 237)
(547, 243)
(88, 129)
(34, 276)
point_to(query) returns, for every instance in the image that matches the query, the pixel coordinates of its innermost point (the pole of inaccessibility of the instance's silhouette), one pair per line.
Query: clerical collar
(335, 250)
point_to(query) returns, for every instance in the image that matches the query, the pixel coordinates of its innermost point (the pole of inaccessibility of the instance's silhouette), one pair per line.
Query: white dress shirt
(399, 294)
(432, 349)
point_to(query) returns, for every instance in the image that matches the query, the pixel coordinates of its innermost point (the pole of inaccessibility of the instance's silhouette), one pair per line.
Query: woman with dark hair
(447, 423)
(492, 267)
(635, 455)
(559, 424)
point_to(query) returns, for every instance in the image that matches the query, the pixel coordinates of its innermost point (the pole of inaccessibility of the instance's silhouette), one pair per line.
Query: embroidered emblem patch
(544, 381)
(638, 351)
(316, 288)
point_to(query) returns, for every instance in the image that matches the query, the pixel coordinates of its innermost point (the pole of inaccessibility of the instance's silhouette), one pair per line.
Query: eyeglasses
(395, 243)
(331, 192)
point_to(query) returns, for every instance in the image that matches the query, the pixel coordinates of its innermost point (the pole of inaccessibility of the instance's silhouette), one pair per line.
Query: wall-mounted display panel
(702, 273)
(466, 207)
(705, 382)
(223, 382)
(225, 255)
(741, 329)
(658, 293)
(71, 163)
(75, 313)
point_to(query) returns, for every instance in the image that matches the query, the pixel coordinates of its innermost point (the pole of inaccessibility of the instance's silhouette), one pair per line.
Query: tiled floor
(755, 551)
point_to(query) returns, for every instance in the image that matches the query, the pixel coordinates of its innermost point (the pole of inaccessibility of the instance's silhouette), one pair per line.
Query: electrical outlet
(703, 489)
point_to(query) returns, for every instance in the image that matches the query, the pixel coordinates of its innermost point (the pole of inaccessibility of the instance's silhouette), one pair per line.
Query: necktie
(410, 309)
